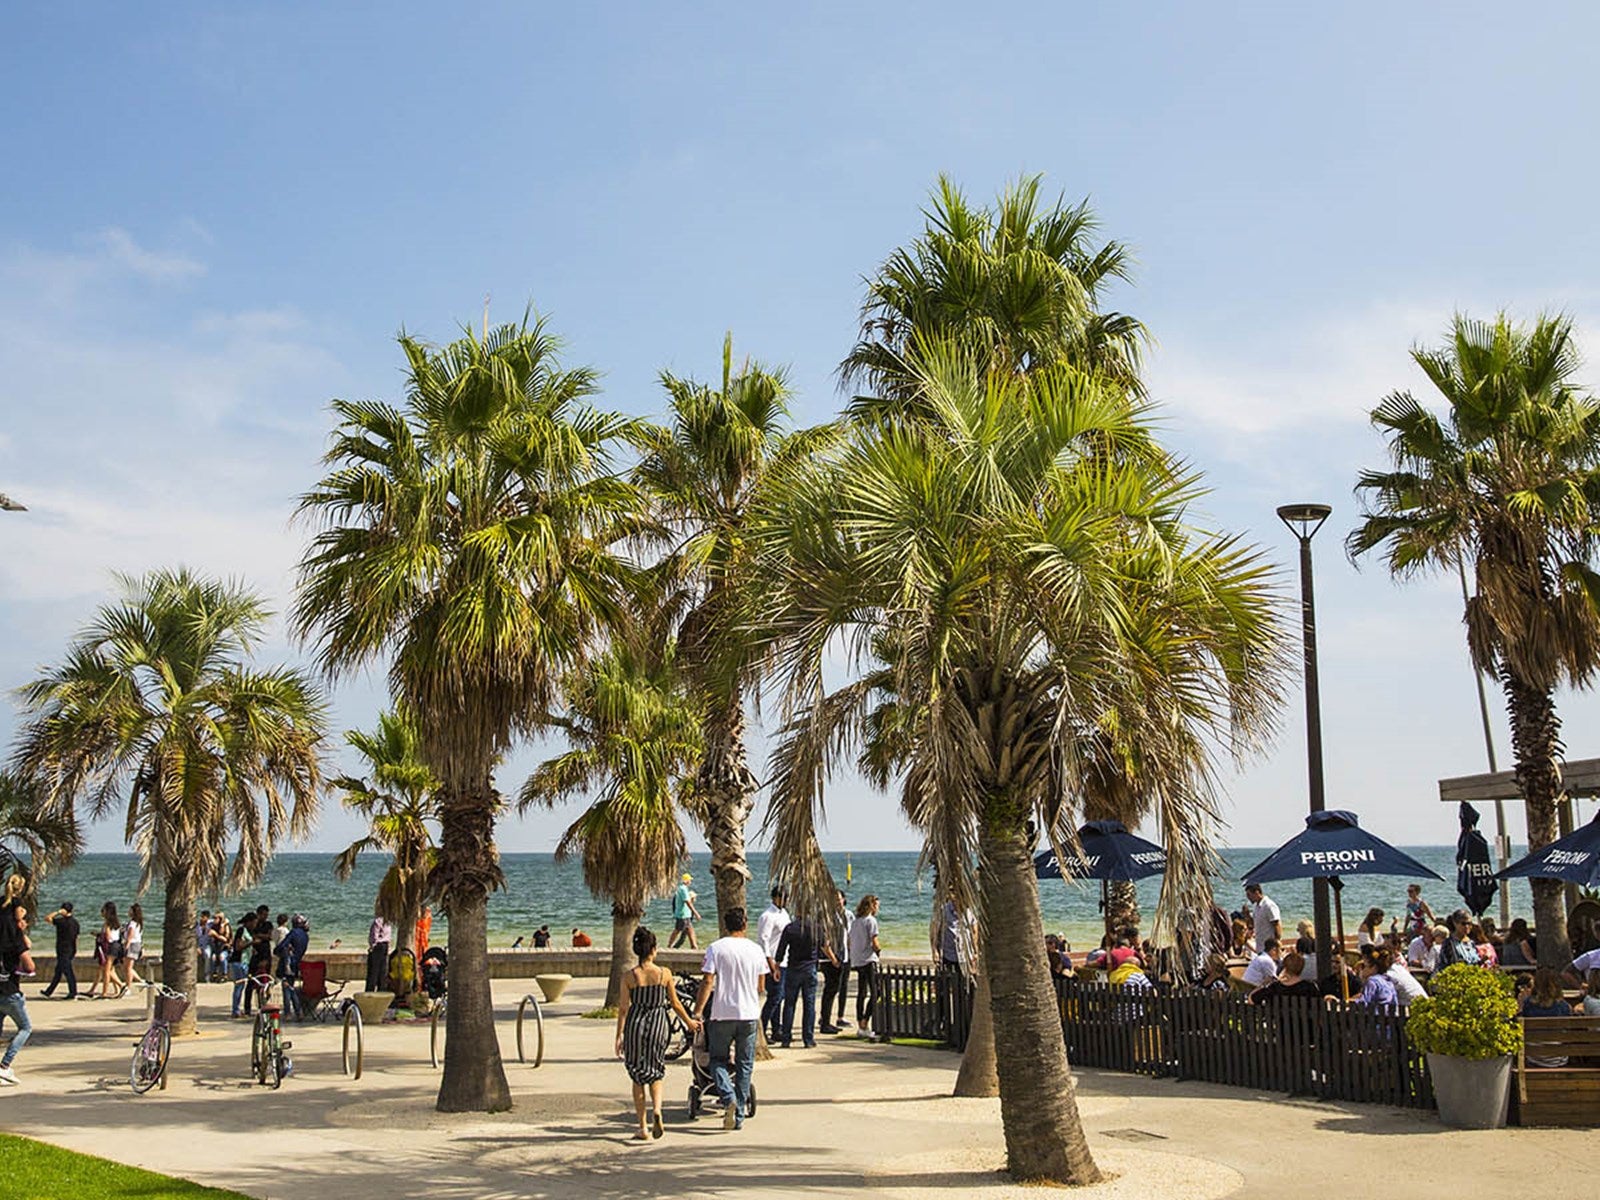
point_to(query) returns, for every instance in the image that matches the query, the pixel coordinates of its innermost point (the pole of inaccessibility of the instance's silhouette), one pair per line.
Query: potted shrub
(1468, 1029)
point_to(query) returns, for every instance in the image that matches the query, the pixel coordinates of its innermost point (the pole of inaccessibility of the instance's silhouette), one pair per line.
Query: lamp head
(1304, 520)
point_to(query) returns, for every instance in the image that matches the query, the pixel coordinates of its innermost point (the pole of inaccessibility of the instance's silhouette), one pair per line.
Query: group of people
(118, 949)
(256, 947)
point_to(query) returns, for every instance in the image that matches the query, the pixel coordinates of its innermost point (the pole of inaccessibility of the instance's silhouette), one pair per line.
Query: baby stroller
(433, 965)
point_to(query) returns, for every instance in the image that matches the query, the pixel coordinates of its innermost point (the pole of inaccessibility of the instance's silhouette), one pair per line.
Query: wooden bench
(1568, 1095)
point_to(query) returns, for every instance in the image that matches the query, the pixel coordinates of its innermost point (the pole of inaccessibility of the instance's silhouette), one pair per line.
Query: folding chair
(317, 997)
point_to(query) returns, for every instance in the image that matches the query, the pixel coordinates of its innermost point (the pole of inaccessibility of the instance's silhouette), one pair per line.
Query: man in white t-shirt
(769, 929)
(734, 972)
(1263, 968)
(1423, 952)
(1264, 910)
(1582, 965)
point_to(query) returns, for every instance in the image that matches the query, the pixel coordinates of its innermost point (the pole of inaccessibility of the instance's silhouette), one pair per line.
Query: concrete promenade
(844, 1118)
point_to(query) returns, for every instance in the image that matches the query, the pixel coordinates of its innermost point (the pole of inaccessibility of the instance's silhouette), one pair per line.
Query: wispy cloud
(122, 251)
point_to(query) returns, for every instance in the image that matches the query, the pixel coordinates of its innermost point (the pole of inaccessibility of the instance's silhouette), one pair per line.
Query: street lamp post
(1303, 520)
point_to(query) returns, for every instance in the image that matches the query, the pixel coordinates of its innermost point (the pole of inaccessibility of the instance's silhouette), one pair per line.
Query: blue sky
(215, 220)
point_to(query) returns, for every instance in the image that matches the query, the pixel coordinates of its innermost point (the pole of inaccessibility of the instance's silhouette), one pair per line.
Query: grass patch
(601, 1014)
(37, 1171)
(922, 1043)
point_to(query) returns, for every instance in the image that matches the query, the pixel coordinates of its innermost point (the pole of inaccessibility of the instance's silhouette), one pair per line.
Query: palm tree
(1507, 484)
(1017, 562)
(34, 838)
(397, 805)
(156, 706)
(635, 744)
(467, 534)
(702, 473)
(1020, 284)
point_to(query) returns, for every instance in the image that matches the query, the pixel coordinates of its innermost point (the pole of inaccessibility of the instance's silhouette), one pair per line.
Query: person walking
(836, 970)
(15, 1007)
(379, 934)
(1264, 915)
(684, 914)
(733, 974)
(107, 949)
(132, 946)
(774, 920)
(864, 949)
(643, 1031)
(801, 946)
(67, 929)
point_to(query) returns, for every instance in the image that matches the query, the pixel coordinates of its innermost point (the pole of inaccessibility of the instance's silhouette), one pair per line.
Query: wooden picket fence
(1296, 1045)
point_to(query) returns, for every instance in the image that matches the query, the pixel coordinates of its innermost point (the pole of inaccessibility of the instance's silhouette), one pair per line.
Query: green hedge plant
(1472, 1013)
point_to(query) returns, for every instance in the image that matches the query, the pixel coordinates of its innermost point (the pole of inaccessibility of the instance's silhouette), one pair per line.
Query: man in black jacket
(66, 950)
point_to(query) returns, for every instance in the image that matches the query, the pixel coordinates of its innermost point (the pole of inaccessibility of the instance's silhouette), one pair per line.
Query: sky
(216, 218)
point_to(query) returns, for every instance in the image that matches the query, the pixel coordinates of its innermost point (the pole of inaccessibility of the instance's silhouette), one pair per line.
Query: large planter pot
(1472, 1093)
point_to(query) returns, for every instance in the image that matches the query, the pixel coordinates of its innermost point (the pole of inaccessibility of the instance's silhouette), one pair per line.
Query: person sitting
(1484, 944)
(1263, 968)
(1517, 949)
(1590, 1005)
(1291, 981)
(1377, 989)
(1458, 947)
(1241, 947)
(581, 939)
(1406, 985)
(1306, 947)
(1423, 953)
(1060, 964)
(1369, 934)
(1127, 970)
(1215, 977)
(1544, 999)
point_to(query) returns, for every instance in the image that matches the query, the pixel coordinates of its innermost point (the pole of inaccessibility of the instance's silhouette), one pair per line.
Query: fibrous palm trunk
(179, 970)
(978, 1075)
(1044, 1135)
(727, 795)
(623, 922)
(1122, 905)
(474, 1075)
(1536, 747)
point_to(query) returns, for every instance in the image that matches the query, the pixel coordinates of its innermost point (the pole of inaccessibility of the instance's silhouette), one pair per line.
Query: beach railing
(1297, 1045)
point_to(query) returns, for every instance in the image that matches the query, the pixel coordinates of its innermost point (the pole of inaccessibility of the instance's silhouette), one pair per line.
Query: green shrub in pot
(1472, 1013)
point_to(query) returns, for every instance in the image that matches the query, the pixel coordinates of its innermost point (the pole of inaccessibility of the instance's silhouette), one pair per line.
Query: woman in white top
(133, 945)
(863, 948)
(1369, 933)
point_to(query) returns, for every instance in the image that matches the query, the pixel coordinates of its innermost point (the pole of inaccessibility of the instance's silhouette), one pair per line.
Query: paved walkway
(838, 1120)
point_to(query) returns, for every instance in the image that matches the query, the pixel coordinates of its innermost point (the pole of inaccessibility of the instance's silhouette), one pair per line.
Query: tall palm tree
(1506, 483)
(1021, 284)
(157, 706)
(397, 805)
(702, 473)
(466, 538)
(1018, 559)
(635, 744)
(34, 838)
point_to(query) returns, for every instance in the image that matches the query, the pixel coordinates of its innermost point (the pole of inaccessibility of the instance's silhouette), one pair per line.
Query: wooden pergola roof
(1580, 776)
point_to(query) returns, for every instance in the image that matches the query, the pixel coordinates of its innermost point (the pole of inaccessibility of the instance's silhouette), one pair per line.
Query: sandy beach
(835, 1121)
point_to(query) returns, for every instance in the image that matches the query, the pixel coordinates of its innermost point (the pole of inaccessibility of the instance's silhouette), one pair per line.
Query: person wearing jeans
(14, 1007)
(801, 945)
(733, 975)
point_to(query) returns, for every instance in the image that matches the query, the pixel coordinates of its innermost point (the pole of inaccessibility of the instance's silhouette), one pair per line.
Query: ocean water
(541, 891)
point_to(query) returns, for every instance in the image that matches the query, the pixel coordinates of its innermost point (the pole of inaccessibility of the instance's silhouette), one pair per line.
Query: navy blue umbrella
(1574, 859)
(1110, 852)
(1334, 846)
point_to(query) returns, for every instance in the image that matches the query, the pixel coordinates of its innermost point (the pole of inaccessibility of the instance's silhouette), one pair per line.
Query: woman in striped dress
(642, 1028)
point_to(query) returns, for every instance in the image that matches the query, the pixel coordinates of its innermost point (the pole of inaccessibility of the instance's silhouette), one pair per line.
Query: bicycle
(269, 1053)
(150, 1052)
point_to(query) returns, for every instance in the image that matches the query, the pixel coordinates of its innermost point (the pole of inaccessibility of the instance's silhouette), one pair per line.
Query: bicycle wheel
(272, 1062)
(149, 1059)
(260, 1047)
(531, 1001)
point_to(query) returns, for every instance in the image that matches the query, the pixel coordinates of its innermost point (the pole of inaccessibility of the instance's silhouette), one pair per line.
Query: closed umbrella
(1474, 871)
(1572, 859)
(1334, 846)
(1110, 853)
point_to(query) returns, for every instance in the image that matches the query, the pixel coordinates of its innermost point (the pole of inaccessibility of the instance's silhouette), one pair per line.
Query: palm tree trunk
(978, 1075)
(178, 966)
(1044, 1135)
(474, 1075)
(623, 923)
(1536, 747)
(1122, 904)
(727, 789)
